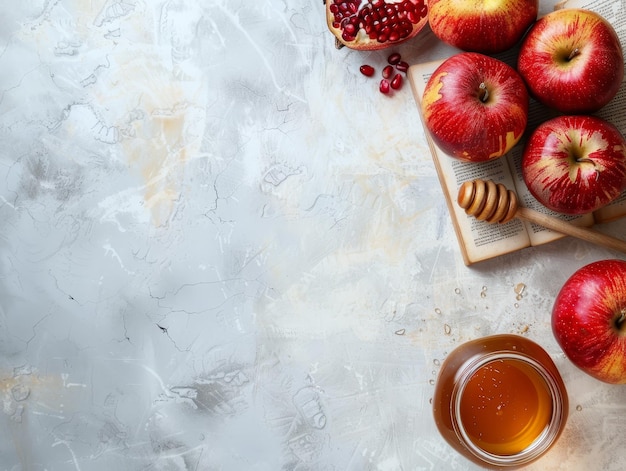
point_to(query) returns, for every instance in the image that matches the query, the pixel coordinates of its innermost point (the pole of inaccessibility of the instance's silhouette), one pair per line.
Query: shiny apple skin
(460, 123)
(575, 164)
(480, 26)
(584, 318)
(583, 84)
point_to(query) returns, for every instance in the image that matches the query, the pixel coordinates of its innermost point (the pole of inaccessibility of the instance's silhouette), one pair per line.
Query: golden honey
(500, 401)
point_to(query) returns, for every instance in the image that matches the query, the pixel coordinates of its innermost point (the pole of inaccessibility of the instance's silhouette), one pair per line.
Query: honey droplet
(519, 290)
(447, 329)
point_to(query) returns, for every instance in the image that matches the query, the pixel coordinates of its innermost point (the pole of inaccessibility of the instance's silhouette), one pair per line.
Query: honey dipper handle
(566, 228)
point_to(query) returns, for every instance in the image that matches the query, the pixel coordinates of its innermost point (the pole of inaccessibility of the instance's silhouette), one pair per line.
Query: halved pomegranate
(375, 24)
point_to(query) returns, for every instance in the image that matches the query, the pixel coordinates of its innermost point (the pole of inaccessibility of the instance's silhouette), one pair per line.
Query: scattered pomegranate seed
(384, 86)
(396, 83)
(394, 58)
(387, 83)
(402, 66)
(387, 71)
(367, 70)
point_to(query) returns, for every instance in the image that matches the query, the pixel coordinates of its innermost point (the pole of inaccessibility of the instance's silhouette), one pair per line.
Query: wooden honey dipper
(494, 203)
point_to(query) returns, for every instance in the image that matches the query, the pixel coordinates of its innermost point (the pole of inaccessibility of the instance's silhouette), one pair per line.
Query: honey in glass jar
(500, 401)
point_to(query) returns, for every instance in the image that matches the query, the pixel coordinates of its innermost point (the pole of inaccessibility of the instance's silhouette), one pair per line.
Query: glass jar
(500, 401)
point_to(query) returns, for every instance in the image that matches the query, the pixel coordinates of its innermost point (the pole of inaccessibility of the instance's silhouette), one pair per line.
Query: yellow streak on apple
(475, 8)
(506, 144)
(611, 366)
(432, 93)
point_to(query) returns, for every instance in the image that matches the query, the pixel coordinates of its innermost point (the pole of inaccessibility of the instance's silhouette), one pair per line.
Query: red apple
(375, 24)
(589, 320)
(486, 27)
(475, 107)
(575, 164)
(572, 61)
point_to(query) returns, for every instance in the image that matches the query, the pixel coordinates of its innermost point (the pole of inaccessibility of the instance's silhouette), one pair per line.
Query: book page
(481, 239)
(478, 240)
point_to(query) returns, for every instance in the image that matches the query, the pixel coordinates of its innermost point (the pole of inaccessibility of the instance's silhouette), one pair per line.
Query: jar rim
(540, 444)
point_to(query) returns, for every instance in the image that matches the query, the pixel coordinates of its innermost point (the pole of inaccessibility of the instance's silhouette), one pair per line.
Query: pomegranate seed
(396, 83)
(387, 71)
(402, 66)
(381, 20)
(405, 27)
(384, 86)
(347, 37)
(394, 58)
(350, 29)
(367, 70)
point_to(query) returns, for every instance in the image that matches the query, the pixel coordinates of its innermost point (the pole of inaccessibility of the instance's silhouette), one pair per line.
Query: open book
(480, 240)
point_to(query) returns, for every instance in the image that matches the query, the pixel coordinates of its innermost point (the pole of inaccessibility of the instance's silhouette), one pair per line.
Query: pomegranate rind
(362, 41)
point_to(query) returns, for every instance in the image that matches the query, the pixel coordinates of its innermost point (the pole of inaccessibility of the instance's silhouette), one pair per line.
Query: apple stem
(573, 54)
(483, 94)
(619, 322)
